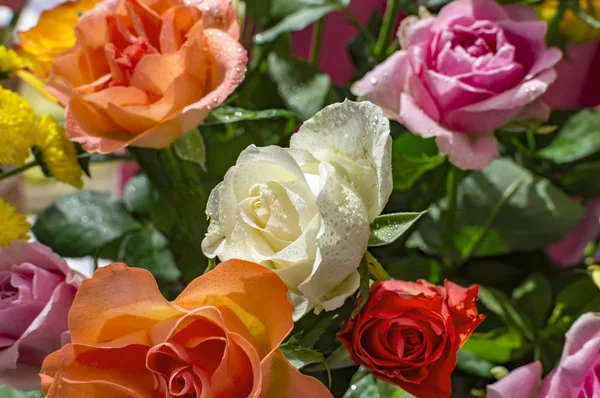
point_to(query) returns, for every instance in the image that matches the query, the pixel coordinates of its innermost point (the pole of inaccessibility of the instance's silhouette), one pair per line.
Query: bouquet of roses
(330, 199)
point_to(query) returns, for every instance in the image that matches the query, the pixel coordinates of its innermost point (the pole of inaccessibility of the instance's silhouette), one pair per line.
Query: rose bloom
(408, 333)
(37, 289)
(576, 376)
(304, 212)
(464, 73)
(219, 338)
(143, 72)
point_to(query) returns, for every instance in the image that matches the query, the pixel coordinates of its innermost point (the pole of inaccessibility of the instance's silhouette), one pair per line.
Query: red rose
(408, 333)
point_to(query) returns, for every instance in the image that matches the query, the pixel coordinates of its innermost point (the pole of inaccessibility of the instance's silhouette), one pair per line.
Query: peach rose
(219, 338)
(142, 72)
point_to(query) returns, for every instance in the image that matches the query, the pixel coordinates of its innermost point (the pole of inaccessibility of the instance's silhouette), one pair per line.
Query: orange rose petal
(219, 14)
(97, 371)
(256, 295)
(115, 302)
(146, 23)
(286, 381)
(178, 21)
(237, 372)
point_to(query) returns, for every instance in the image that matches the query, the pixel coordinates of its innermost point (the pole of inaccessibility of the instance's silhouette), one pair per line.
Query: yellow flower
(53, 35)
(14, 225)
(58, 153)
(17, 128)
(595, 273)
(571, 26)
(10, 62)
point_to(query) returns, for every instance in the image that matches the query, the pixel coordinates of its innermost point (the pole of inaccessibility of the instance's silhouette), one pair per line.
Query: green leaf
(363, 290)
(149, 249)
(414, 267)
(300, 356)
(138, 195)
(509, 209)
(229, 114)
(338, 359)
(365, 387)
(583, 180)
(472, 364)
(80, 223)
(533, 299)
(294, 22)
(191, 147)
(573, 301)
(7, 392)
(386, 228)
(497, 302)
(412, 157)
(302, 87)
(387, 390)
(408, 170)
(578, 138)
(498, 345)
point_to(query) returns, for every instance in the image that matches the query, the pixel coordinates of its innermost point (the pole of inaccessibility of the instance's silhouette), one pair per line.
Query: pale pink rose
(37, 289)
(576, 376)
(570, 250)
(463, 73)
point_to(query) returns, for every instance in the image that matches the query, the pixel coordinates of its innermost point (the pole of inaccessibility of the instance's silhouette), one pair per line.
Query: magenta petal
(519, 383)
(490, 114)
(581, 355)
(417, 121)
(571, 249)
(42, 336)
(473, 9)
(450, 93)
(549, 58)
(21, 317)
(469, 152)
(23, 377)
(521, 12)
(384, 84)
(537, 110)
(38, 255)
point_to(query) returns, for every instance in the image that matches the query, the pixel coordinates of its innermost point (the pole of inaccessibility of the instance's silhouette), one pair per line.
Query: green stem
(389, 19)
(34, 163)
(376, 268)
(452, 193)
(19, 170)
(531, 142)
(553, 26)
(317, 39)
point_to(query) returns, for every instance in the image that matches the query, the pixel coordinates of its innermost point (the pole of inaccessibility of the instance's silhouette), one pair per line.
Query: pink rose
(463, 73)
(571, 250)
(37, 289)
(577, 374)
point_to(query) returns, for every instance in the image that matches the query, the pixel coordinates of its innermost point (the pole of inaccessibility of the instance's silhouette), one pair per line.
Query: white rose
(304, 212)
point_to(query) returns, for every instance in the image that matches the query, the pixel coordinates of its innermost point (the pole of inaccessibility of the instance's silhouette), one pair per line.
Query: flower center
(7, 290)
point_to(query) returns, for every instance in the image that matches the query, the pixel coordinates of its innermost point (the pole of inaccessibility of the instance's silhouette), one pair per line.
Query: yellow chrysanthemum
(17, 128)
(10, 62)
(58, 153)
(53, 35)
(571, 26)
(14, 225)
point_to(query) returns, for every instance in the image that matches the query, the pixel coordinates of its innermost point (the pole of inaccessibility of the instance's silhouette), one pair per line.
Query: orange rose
(219, 338)
(142, 72)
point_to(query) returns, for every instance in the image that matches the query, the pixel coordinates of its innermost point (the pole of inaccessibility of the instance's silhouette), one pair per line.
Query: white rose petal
(355, 138)
(304, 212)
